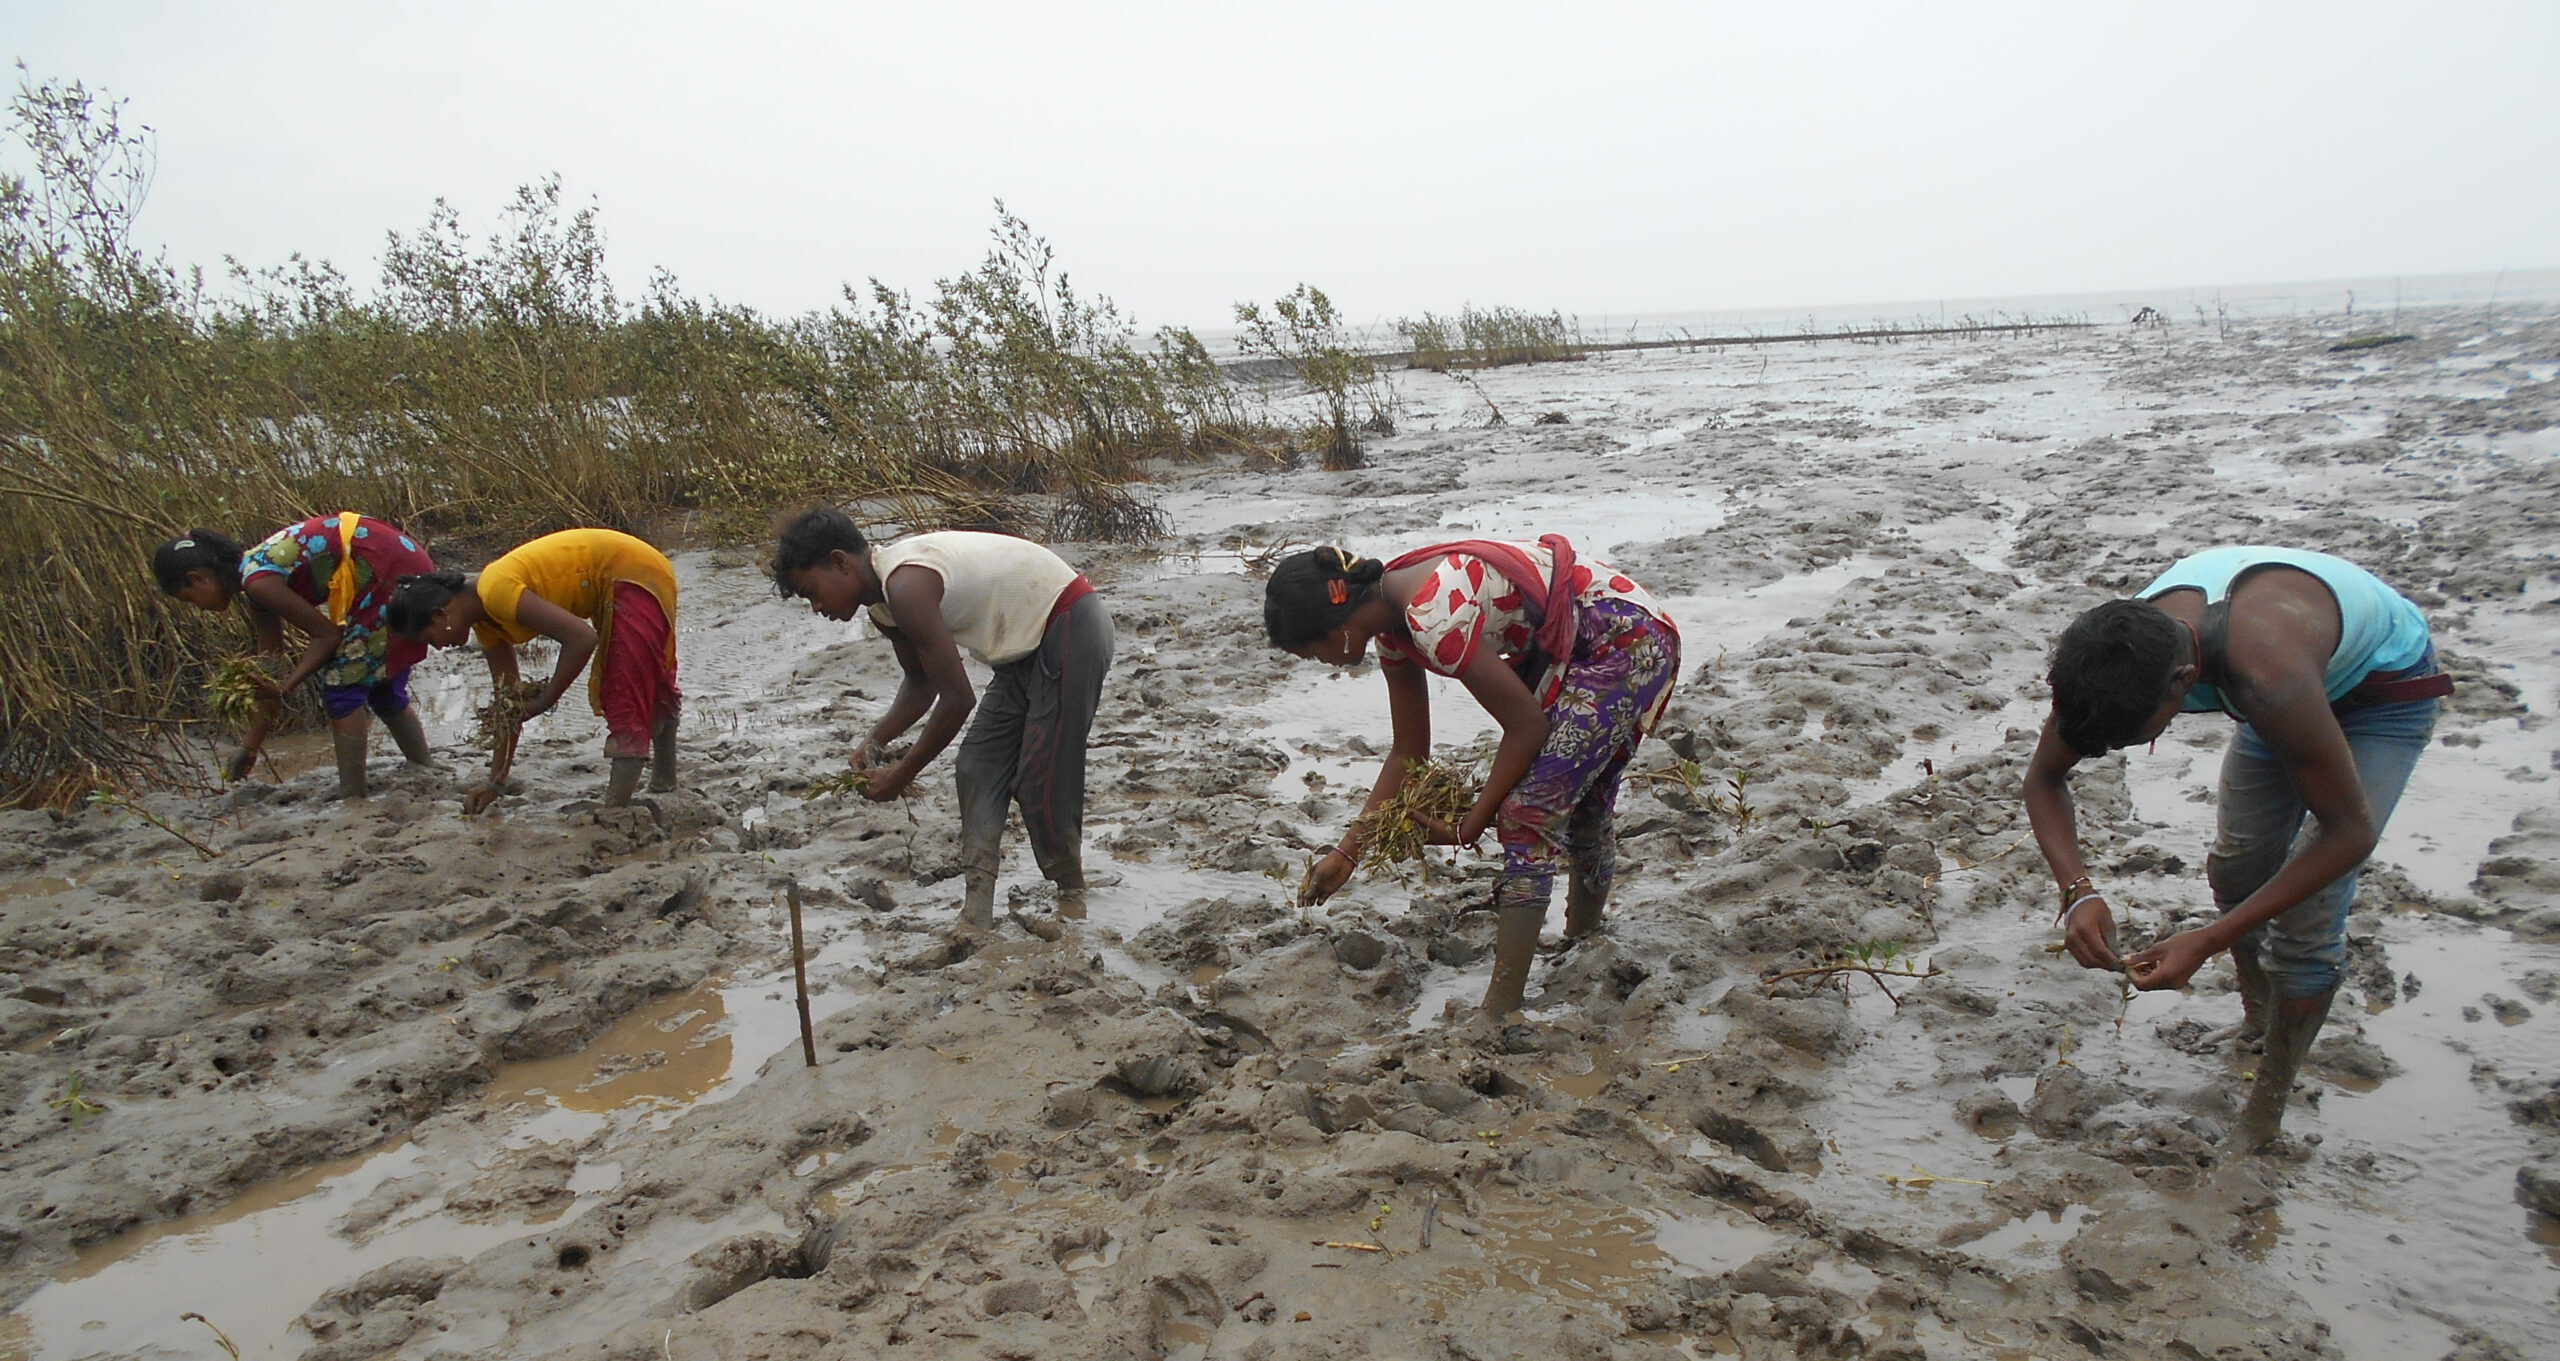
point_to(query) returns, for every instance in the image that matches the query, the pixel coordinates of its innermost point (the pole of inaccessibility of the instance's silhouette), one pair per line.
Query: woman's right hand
(237, 762)
(2089, 933)
(1325, 878)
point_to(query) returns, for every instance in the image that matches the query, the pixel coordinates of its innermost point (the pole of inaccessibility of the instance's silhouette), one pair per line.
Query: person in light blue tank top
(2333, 679)
(2379, 630)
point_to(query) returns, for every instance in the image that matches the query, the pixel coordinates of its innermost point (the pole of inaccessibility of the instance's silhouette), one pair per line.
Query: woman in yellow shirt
(590, 590)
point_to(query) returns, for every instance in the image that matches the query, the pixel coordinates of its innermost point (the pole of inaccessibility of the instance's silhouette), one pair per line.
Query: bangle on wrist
(2077, 903)
(1345, 852)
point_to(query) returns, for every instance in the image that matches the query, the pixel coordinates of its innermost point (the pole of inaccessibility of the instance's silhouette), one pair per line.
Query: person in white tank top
(1019, 609)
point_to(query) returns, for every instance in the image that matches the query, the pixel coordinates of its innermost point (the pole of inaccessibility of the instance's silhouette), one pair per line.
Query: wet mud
(377, 1081)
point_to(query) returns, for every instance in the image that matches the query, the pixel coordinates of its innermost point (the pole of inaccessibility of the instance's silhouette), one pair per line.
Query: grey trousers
(1025, 745)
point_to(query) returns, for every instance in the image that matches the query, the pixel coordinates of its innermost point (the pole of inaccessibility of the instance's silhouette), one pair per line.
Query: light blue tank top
(2378, 629)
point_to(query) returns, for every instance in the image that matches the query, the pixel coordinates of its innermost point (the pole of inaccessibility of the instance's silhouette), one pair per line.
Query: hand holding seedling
(2170, 963)
(1325, 878)
(887, 783)
(2089, 933)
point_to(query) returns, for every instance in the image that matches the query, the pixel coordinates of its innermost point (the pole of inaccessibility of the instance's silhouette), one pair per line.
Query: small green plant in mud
(73, 1104)
(1732, 802)
(1879, 958)
(1736, 800)
(2371, 342)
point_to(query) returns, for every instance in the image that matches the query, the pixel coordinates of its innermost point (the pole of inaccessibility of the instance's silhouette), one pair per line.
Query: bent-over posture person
(589, 590)
(1018, 608)
(1570, 656)
(2333, 679)
(331, 578)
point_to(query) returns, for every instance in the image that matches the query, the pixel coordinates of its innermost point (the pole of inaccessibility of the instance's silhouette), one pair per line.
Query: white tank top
(997, 590)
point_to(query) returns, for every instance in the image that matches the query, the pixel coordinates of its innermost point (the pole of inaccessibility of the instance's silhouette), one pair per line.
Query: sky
(1591, 158)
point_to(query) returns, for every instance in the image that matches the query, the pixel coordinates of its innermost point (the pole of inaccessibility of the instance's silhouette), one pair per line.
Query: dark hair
(808, 539)
(1311, 593)
(2110, 674)
(199, 550)
(416, 599)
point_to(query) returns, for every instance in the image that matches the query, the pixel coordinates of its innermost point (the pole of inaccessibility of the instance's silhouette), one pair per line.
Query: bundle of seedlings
(851, 781)
(502, 718)
(235, 691)
(1393, 832)
(842, 782)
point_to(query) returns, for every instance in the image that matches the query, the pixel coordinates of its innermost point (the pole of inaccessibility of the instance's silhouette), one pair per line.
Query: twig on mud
(1879, 975)
(1353, 1247)
(1923, 1180)
(1674, 1065)
(1961, 866)
(229, 1348)
(109, 799)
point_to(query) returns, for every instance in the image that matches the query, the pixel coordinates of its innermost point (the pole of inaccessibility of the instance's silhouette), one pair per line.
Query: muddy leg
(411, 735)
(1591, 855)
(662, 747)
(2292, 1023)
(622, 780)
(1519, 910)
(347, 742)
(2255, 995)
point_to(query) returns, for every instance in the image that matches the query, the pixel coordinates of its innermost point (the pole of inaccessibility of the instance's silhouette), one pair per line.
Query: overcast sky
(1594, 158)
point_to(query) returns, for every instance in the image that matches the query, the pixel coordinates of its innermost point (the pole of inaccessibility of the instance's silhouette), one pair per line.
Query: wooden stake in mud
(800, 977)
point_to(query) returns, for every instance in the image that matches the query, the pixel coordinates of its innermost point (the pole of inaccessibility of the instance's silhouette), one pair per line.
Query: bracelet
(1347, 857)
(2077, 903)
(2080, 885)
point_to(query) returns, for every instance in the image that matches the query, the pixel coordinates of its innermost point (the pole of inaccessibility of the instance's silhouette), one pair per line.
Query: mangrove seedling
(73, 1104)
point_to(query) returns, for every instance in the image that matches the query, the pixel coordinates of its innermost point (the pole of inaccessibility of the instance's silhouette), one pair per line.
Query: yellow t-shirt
(575, 569)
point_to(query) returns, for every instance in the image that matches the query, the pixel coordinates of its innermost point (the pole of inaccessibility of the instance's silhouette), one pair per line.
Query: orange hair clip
(1338, 591)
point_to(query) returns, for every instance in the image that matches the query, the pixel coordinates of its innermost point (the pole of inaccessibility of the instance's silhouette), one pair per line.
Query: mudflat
(376, 1080)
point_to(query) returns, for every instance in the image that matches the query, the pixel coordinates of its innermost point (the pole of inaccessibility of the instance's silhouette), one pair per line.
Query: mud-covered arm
(915, 598)
(576, 637)
(1524, 734)
(272, 604)
(1409, 717)
(2089, 931)
(913, 701)
(501, 657)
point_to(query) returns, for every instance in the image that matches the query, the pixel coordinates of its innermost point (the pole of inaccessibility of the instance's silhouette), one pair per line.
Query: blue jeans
(2260, 824)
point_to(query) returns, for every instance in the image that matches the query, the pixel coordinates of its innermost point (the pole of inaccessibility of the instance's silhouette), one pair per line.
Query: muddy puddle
(255, 1264)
